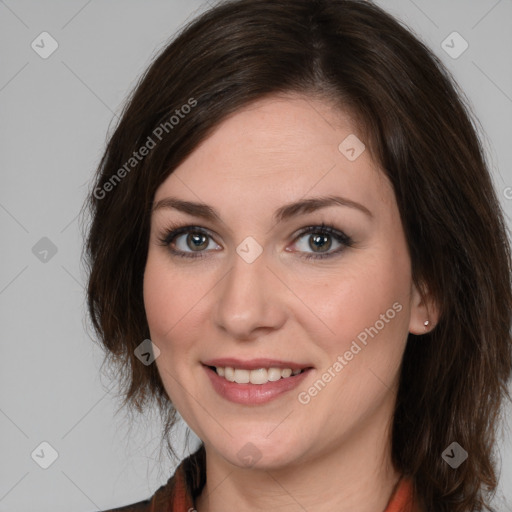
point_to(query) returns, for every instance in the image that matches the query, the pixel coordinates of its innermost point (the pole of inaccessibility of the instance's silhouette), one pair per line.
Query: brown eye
(197, 241)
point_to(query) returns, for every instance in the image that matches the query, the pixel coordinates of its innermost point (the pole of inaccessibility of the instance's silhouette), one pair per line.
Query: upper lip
(254, 364)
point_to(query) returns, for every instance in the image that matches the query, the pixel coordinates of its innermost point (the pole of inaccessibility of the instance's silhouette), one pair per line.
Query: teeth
(274, 374)
(229, 374)
(259, 376)
(242, 376)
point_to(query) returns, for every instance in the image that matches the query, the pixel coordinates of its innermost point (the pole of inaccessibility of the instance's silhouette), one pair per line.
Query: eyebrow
(281, 214)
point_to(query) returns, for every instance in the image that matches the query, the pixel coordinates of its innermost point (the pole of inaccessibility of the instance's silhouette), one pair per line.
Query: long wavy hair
(418, 127)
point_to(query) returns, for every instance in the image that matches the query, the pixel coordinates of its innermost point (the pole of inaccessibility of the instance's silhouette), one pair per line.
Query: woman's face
(252, 290)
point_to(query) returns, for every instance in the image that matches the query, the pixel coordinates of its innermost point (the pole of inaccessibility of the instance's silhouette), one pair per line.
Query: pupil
(197, 238)
(317, 240)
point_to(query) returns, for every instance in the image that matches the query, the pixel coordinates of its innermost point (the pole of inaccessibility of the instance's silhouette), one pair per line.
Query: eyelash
(173, 231)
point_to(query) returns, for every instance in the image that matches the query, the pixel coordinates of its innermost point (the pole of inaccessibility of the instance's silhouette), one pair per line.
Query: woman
(295, 244)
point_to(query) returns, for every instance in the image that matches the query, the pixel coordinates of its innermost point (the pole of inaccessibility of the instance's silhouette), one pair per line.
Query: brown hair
(417, 126)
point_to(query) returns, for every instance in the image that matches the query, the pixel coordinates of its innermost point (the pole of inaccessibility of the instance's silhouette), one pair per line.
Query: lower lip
(253, 394)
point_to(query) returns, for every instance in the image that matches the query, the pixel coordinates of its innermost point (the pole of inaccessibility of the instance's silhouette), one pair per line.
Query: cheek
(165, 299)
(366, 302)
(175, 304)
(168, 303)
(355, 296)
(366, 310)
(157, 297)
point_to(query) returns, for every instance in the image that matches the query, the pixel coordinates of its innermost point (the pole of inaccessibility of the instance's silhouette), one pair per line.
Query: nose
(249, 301)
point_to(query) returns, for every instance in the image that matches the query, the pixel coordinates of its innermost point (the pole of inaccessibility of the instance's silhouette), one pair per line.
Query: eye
(197, 240)
(320, 240)
(194, 241)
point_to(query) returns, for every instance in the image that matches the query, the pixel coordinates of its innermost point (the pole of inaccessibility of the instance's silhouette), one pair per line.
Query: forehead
(280, 149)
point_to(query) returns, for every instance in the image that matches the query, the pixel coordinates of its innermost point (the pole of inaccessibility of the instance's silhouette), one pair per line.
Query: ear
(423, 309)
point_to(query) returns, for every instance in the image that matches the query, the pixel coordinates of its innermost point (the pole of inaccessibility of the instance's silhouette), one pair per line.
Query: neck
(355, 475)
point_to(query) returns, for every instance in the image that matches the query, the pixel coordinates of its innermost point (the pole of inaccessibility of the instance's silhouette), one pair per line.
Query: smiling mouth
(258, 376)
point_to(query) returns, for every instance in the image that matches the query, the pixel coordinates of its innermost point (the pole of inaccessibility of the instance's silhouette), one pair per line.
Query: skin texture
(332, 453)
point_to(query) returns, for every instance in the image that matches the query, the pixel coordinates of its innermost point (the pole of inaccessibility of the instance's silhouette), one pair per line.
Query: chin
(262, 452)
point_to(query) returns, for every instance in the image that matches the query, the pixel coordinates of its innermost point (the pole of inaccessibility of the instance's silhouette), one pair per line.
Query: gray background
(54, 119)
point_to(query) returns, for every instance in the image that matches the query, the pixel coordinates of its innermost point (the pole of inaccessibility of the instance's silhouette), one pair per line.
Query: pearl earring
(425, 323)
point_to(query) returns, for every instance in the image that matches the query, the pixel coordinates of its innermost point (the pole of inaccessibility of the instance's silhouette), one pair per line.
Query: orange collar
(402, 499)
